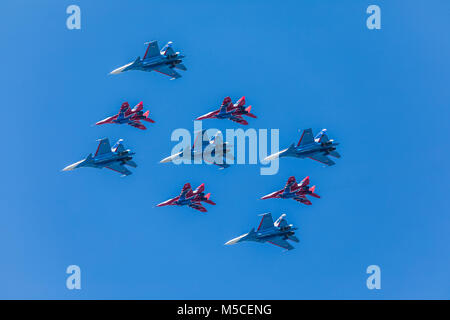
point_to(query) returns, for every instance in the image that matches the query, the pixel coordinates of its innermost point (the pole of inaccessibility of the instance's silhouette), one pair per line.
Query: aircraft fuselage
(267, 235)
(105, 159)
(311, 149)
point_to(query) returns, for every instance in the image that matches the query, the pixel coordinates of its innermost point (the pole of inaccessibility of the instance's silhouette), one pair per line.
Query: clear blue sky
(383, 94)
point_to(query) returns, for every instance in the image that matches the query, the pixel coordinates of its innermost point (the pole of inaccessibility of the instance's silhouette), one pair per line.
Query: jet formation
(114, 158)
(205, 148)
(190, 198)
(294, 190)
(164, 61)
(316, 148)
(212, 150)
(275, 233)
(129, 116)
(233, 112)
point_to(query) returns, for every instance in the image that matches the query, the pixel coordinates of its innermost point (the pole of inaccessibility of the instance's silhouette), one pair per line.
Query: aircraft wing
(266, 221)
(137, 124)
(120, 168)
(164, 69)
(323, 159)
(303, 199)
(290, 183)
(281, 243)
(152, 50)
(198, 206)
(124, 108)
(186, 191)
(239, 119)
(306, 138)
(103, 147)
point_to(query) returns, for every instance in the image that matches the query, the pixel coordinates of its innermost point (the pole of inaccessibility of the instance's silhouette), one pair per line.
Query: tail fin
(322, 137)
(167, 49)
(312, 188)
(118, 147)
(138, 107)
(200, 188)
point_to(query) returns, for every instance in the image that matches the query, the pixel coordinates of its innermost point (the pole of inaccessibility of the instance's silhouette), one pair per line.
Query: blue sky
(382, 94)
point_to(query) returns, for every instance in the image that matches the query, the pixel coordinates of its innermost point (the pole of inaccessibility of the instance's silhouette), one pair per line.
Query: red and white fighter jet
(129, 116)
(190, 198)
(294, 190)
(231, 111)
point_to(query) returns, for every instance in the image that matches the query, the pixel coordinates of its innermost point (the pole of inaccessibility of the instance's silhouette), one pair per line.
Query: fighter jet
(231, 111)
(205, 151)
(164, 61)
(114, 158)
(129, 116)
(316, 148)
(294, 190)
(190, 198)
(275, 233)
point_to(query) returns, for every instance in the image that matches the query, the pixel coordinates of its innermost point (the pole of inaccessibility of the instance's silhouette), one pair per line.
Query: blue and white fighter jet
(164, 61)
(114, 158)
(316, 148)
(275, 233)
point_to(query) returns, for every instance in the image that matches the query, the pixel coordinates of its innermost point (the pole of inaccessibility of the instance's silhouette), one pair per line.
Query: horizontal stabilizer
(335, 154)
(249, 114)
(131, 163)
(181, 66)
(146, 114)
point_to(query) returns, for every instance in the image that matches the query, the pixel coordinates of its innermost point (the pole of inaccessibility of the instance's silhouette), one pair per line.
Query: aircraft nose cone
(171, 158)
(72, 166)
(121, 69)
(166, 160)
(235, 240)
(228, 243)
